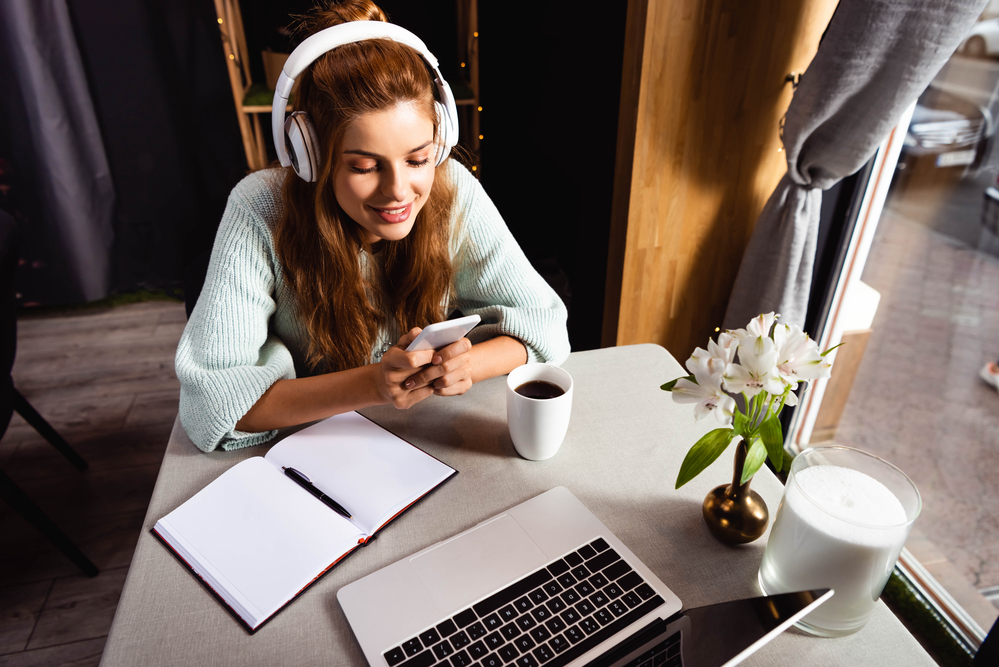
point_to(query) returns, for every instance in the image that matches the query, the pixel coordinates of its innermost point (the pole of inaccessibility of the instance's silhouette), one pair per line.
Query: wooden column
(698, 156)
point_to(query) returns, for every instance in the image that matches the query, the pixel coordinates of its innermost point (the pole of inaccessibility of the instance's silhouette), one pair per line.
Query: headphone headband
(328, 39)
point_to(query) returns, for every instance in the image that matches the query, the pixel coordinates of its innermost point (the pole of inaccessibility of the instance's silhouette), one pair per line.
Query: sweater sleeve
(228, 356)
(495, 280)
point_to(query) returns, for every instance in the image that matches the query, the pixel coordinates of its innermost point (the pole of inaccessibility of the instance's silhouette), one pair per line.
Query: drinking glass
(841, 524)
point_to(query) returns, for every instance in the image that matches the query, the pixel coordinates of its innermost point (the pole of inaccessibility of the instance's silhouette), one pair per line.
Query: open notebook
(257, 539)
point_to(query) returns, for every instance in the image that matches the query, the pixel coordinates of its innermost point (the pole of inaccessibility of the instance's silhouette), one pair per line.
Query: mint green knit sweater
(244, 333)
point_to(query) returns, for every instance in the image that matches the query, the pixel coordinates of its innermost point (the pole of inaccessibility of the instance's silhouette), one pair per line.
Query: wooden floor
(105, 380)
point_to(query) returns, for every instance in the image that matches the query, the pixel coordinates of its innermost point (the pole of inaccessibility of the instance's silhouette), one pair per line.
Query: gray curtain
(875, 59)
(68, 164)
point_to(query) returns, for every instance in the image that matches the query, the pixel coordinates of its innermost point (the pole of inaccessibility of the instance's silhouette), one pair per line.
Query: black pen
(306, 484)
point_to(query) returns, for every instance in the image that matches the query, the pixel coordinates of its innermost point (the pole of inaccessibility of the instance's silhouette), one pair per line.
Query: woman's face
(385, 170)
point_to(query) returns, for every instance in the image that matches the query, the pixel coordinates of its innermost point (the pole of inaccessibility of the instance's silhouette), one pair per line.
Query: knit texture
(244, 333)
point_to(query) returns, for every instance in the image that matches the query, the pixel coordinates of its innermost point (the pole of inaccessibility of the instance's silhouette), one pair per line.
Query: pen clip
(299, 473)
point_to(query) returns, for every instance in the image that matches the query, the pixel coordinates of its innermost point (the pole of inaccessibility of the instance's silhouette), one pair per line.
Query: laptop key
(613, 591)
(603, 616)
(430, 637)
(464, 618)
(524, 643)
(424, 659)
(556, 605)
(570, 596)
(585, 608)
(589, 625)
(523, 604)
(558, 567)
(566, 580)
(394, 656)
(508, 652)
(555, 625)
(617, 608)
(600, 561)
(599, 545)
(645, 591)
(476, 630)
(629, 581)
(526, 661)
(443, 650)
(587, 552)
(510, 630)
(492, 660)
(631, 600)
(461, 659)
(540, 633)
(492, 622)
(559, 643)
(494, 640)
(616, 570)
(543, 653)
(581, 572)
(573, 559)
(477, 650)
(541, 613)
(574, 634)
(584, 588)
(507, 613)
(552, 587)
(526, 622)
(598, 581)
(447, 628)
(412, 647)
(570, 616)
(599, 599)
(460, 640)
(538, 596)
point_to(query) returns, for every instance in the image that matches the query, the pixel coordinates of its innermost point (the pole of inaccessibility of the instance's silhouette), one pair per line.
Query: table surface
(625, 443)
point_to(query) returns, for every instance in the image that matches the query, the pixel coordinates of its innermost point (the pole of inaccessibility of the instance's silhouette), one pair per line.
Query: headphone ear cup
(445, 133)
(303, 146)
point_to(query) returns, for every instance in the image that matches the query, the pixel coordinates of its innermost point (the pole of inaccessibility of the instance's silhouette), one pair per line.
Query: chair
(11, 400)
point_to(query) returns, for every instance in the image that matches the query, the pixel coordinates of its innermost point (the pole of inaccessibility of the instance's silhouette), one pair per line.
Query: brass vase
(734, 513)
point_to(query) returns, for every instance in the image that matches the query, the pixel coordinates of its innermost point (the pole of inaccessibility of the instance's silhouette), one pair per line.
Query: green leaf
(672, 383)
(773, 440)
(741, 423)
(754, 459)
(703, 454)
(831, 349)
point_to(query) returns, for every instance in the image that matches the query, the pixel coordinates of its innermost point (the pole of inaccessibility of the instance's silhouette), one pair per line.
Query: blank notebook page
(293, 537)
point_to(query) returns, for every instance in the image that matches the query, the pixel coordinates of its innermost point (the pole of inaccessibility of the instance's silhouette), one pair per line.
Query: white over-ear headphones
(295, 139)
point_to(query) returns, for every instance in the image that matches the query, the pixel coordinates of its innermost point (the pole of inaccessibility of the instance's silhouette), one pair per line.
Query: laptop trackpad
(478, 562)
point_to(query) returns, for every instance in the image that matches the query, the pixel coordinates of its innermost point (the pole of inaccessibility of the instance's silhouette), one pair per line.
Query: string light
(462, 64)
(220, 21)
(480, 137)
(480, 108)
(474, 167)
(232, 57)
(780, 149)
(475, 34)
(717, 329)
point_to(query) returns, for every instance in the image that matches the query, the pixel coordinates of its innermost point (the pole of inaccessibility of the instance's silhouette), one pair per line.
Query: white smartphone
(442, 334)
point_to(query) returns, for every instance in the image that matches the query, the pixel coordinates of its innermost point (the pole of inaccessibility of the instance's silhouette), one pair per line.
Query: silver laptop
(544, 583)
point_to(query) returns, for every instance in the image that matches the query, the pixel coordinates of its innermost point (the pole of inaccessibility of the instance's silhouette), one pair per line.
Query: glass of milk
(841, 524)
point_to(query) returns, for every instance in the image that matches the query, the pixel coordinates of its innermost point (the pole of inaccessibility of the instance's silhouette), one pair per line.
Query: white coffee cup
(538, 425)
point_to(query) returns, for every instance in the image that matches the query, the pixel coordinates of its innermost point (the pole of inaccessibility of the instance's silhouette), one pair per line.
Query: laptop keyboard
(550, 617)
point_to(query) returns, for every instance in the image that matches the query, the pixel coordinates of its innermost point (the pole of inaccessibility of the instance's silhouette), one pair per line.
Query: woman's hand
(396, 371)
(449, 372)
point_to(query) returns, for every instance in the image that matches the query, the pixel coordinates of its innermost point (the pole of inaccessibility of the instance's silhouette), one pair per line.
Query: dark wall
(550, 88)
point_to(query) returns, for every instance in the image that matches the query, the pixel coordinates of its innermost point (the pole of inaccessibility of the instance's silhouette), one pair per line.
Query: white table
(620, 457)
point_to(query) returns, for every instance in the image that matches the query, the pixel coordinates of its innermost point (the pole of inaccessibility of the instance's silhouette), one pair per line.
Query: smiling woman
(323, 273)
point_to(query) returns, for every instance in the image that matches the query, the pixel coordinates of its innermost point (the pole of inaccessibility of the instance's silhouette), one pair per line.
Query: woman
(314, 290)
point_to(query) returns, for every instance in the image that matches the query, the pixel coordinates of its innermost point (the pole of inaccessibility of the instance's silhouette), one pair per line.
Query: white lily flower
(798, 357)
(707, 392)
(756, 370)
(724, 350)
(758, 327)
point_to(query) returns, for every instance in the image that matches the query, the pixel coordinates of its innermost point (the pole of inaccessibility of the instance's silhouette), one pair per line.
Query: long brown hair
(319, 245)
